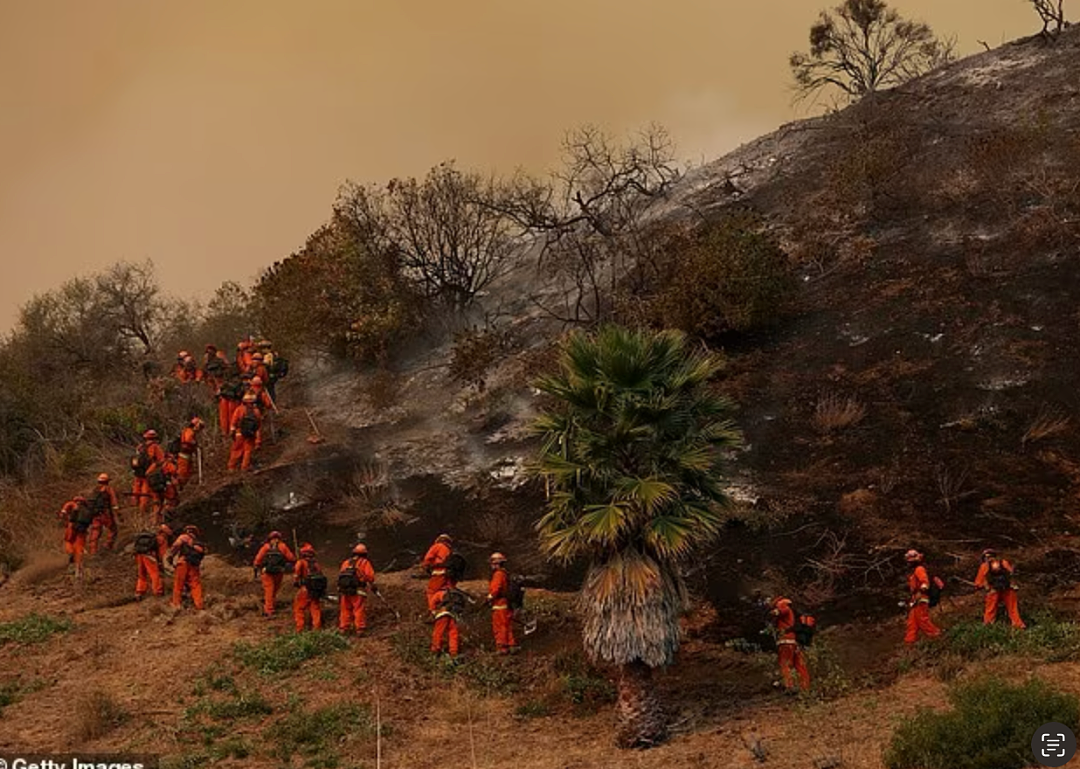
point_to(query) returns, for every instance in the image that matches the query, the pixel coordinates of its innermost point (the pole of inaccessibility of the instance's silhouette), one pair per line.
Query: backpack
(274, 562)
(157, 481)
(937, 586)
(999, 580)
(81, 517)
(249, 425)
(215, 367)
(804, 628)
(140, 463)
(316, 584)
(145, 543)
(348, 581)
(174, 447)
(279, 369)
(455, 566)
(100, 504)
(515, 595)
(191, 555)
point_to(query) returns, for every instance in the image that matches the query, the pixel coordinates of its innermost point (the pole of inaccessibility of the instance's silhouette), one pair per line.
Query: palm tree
(631, 456)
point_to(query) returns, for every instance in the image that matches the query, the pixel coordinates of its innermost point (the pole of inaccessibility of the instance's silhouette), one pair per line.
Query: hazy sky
(211, 135)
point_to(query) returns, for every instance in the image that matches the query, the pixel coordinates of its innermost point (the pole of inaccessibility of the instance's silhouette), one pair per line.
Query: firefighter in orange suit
(996, 578)
(355, 576)
(273, 560)
(502, 616)
(434, 564)
(310, 583)
(190, 552)
(918, 582)
(790, 655)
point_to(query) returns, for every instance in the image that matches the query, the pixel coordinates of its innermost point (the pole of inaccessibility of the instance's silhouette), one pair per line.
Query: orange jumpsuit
(170, 497)
(303, 603)
(352, 608)
(790, 655)
(271, 582)
(105, 520)
(918, 619)
(213, 370)
(502, 616)
(189, 444)
(74, 539)
(186, 574)
(434, 562)
(265, 405)
(993, 597)
(140, 488)
(149, 568)
(445, 625)
(242, 447)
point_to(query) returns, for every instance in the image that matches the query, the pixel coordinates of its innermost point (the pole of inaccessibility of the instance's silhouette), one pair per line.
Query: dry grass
(1048, 423)
(952, 486)
(835, 412)
(96, 713)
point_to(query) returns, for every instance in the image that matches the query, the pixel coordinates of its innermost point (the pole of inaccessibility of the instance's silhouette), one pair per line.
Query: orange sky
(211, 135)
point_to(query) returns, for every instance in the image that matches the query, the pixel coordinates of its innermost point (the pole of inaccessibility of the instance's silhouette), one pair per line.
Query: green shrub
(1047, 638)
(532, 709)
(732, 275)
(9, 694)
(33, 629)
(316, 734)
(287, 652)
(989, 727)
(244, 705)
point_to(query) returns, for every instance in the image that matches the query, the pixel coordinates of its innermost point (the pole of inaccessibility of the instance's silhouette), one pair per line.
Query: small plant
(243, 705)
(1047, 638)
(287, 652)
(989, 727)
(952, 485)
(1048, 423)
(9, 694)
(317, 734)
(96, 714)
(834, 413)
(33, 629)
(532, 709)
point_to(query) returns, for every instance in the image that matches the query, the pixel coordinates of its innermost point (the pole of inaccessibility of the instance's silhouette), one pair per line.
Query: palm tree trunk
(642, 723)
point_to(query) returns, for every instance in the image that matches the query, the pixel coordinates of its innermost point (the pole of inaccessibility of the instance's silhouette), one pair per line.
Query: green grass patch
(1048, 638)
(243, 705)
(9, 694)
(317, 735)
(989, 726)
(489, 674)
(33, 629)
(532, 709)
(287, 652)
(580, 683)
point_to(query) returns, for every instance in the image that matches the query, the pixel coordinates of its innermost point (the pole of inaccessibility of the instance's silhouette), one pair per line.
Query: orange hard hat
(257, 356)
(275, 535)
(78, 498)
(497, 558)
(103, 478)
(912, 555)
(150, 435)
(360, 549)
(307, 549)
(444, 538)
(988, 552)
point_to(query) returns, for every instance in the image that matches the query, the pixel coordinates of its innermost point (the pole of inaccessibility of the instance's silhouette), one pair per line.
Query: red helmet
(307, 549)
(913, 556)
(497, 558)
(150, 435)
(103, 478)
(275, 535)
(360, 549)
